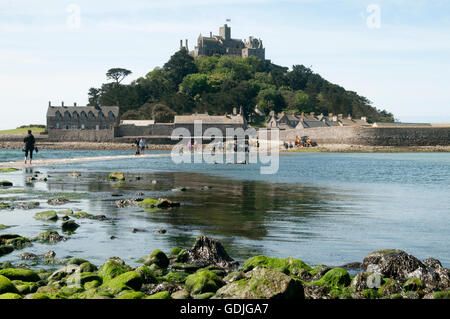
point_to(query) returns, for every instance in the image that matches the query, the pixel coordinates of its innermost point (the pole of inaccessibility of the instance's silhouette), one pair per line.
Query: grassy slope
(23, 130)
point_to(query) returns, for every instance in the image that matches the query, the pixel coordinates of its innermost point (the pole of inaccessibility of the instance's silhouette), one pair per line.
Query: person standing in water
(142, 145)
(29, 146)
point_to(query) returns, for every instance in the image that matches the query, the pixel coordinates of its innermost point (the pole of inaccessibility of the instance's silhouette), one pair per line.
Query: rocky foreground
(207, 271)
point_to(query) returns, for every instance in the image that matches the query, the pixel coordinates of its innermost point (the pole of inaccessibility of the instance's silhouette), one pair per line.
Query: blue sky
(56, 50)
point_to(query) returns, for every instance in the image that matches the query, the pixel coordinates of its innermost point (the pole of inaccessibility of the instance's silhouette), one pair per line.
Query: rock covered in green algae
(5, 249)
(442, 295)
(50, 237)
(8, 169)
(126, 281)
(148, 276)
(288, 266)
(116, 176)
(10, 295)
(6, 183)
(159, 295)
(157, 257)
(4, 205)
(6, 285)
(131, 295)
(24, 287)
(157, 203)
(82, 278)
(177, 277)
(262, 283)
(180, 294)
(113, 267)
(84, 215)
(19, 242)
(413, 284)
(203, 281)
(20, 274)
(46, 216)
(336, 277)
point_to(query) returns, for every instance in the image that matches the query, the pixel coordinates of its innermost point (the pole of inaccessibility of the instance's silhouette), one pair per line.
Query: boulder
(158, 203)
(6, 285)
(288, 266)
(20, 274)
(207, 251)
(50, 237)
(159, 295)
(6, 183)
(57, 201)
(46, 216)
(10, 295)
(400, 266)
(116, 176)
(130, 279)
(157, 257)
(262, 283)
(19, 242)
(4, 205)
(113, 267)
(69, 226)
(203, 281)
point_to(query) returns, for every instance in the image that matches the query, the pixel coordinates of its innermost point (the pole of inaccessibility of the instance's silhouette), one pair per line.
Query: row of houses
(285, 121)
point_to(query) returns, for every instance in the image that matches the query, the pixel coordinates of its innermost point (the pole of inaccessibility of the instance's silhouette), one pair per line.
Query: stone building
(82, 117)
(223, 44)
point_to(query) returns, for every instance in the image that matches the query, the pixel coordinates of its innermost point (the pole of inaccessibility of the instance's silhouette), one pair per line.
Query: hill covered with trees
(216, 84)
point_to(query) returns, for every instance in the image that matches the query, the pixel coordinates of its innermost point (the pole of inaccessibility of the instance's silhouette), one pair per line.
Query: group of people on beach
(140, 143)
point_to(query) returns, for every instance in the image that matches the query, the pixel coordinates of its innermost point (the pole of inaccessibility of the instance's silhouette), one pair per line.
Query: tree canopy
(217, 84)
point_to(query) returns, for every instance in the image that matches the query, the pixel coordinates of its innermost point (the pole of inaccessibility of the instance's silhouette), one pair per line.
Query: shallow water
(321, 208)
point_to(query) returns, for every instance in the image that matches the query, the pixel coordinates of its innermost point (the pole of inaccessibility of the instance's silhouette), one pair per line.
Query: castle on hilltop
(223, 44)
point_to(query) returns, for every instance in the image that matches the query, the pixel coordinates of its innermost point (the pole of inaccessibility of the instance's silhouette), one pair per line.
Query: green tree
(180, 65)
(94, 96)
(117, 74)
(194, 84)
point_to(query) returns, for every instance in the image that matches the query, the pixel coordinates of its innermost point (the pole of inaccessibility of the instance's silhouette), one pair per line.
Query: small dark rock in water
(69, 225)
(57, 201)
(49, 254)
(116, 195)
(166, 203)
(135, 230)
(207, 251)
(6, 183)
(112, 237)
(126, 202)
(31, 179)
(50, 237)
(44, 179)
(138, 178)
(140, 194)
(65, 218)
(28, 256)
(161, 231)
(27, 205)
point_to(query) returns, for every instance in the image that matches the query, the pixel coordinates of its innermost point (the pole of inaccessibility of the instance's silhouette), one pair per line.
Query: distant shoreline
(323, 148)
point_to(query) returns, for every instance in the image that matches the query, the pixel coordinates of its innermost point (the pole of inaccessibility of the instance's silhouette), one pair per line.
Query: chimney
(49, 103)
(74, 103)
(210, 34)
(187, 45)
(62, 103)
(181, 44)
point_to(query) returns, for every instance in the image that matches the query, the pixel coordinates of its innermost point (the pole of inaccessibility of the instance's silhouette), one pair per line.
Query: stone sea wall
(104, 135)
(375, 136)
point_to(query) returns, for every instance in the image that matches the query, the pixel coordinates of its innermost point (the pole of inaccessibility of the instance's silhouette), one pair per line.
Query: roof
(398, 124)
(209, 119)
(51, 111)
(138, 122)
(311, 122)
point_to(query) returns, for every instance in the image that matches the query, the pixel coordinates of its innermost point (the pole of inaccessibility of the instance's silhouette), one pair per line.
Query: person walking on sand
(29, 146)
(142, 145)
(136, 142)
